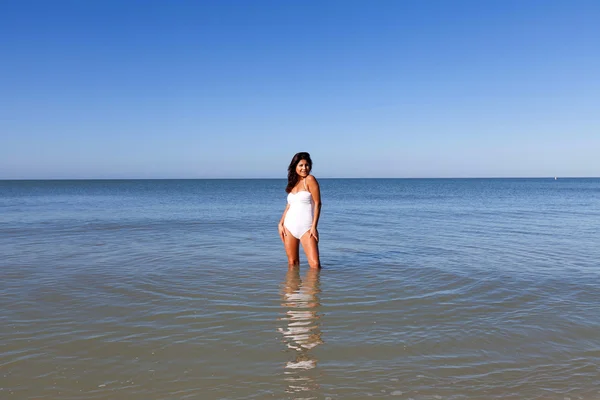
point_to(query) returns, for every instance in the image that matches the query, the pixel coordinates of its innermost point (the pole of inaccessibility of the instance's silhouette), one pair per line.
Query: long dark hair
(292, 175)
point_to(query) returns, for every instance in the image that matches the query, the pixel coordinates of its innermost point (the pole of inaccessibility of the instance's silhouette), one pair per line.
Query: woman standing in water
(301, 215)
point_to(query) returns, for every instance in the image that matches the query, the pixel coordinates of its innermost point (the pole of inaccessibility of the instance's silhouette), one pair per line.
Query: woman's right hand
(281, 229)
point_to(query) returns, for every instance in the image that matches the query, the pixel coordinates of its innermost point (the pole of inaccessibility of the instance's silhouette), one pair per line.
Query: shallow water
(431, 289)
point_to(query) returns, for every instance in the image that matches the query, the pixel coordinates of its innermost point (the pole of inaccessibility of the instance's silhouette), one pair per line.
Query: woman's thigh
(311, 249)
(291, 245)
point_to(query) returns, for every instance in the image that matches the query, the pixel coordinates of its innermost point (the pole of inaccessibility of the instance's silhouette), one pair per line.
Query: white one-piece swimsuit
(299, 217)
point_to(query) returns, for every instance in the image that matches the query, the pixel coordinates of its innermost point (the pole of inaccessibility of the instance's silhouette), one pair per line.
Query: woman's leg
(291, 245)
(311, 249)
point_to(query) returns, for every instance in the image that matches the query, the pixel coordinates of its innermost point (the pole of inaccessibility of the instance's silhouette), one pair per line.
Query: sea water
(179, 289)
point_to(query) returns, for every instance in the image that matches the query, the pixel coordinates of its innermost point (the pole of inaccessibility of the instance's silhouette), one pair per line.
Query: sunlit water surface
(431, 289)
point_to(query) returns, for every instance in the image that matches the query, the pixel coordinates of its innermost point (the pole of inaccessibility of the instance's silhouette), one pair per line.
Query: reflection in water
(302, 330)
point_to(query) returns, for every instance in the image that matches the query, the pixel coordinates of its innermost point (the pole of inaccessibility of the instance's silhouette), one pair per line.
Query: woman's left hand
(314, 233)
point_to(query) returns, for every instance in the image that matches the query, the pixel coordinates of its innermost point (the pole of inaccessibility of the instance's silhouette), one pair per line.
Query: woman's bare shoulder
(311, 179)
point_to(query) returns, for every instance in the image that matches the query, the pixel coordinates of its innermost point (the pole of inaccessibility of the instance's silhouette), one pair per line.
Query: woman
(301, 215)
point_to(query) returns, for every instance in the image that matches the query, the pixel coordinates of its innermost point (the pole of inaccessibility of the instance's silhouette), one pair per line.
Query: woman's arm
(280, 227)
(315, 191)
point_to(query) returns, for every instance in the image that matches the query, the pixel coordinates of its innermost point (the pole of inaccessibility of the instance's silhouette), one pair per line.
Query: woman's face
(303, 168)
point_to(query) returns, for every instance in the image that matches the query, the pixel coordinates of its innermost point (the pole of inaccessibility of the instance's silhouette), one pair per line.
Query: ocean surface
(179, 289)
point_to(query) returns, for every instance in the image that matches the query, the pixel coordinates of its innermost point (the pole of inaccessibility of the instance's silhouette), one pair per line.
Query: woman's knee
(314, 263)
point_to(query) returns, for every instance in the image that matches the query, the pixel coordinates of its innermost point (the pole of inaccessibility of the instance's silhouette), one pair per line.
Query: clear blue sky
(232, 89)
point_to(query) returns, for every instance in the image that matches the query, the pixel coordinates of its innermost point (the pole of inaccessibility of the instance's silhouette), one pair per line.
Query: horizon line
(191, 179)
